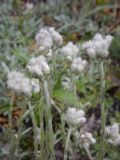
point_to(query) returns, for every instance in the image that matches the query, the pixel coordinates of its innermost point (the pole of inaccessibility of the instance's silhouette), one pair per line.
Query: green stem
(18, 138)
(67, 144)
(74, 88)
(53, 69)
(35, 129)
(11, 132)
(42, 132)
(19, 124)
(49, 119)
(103, 115)
(88, 153)
(10, 114)
(54, 61)
(91, 70)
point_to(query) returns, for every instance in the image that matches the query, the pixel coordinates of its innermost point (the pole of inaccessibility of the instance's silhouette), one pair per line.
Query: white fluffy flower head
(70, 50)
(56, 37)
(75, 117)
(43, 39)
(98, 46)
(49, 53)
(47, 37)
(113, 132)
(38, 65)
(78, 65)
(115, 141)
(18, 82)
(86, 139)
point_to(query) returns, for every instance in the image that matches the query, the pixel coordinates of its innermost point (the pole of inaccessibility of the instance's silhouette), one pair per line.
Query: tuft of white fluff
(98, 46)
(113, 132)
(19, 83)
(78, 65)
(87, 139)
(38, 65)
(70, 50)
(44, 39)
(49, 53)
(116, 141)
(47, 37)
(75, 116)
(56, 36)
(97, 37)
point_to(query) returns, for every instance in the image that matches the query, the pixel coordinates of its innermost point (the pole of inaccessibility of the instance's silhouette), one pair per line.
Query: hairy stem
(91, 70)
(11, 131)
(11, 109)
(42, 132)
(67, 144)
(88, 153)
(48, 117)
(18, 138)
(103, 115)
(74, 88)
(34, 129)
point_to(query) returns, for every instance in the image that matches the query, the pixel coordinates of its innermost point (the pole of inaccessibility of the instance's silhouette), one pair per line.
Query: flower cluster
(78, 65)
(21, 84)
(43, 39)
(84, 139)
(98, 46)
(113, 133)
(56, 37)
(70, 51)
(18, 82)
(75, 116)
(38, 65)
(47, 37)
(87, 139)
